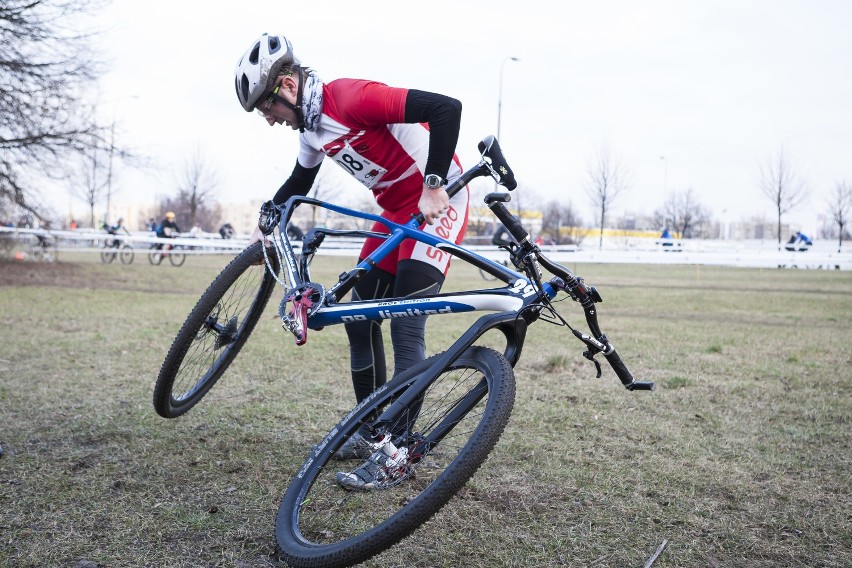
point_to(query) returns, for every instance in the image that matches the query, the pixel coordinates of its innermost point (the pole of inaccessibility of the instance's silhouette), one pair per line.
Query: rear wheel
(447, 434)
(108, 255)
(155, 257)
(487, 276)
(126, 255)
(214, 332)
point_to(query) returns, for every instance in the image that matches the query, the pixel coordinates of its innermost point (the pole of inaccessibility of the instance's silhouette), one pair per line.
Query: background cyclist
(115, 230)
(168, 229)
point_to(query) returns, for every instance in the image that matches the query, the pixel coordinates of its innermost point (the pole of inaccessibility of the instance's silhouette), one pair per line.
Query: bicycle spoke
(221, 328)
(329, 514)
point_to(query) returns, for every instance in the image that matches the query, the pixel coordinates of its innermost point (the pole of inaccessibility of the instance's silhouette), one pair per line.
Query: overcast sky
(716, 88)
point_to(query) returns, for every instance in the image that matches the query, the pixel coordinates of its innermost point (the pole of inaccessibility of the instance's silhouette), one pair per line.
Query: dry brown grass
(740, 458)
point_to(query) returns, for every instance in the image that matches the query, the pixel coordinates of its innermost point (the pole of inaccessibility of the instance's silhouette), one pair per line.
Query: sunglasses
(265, 109)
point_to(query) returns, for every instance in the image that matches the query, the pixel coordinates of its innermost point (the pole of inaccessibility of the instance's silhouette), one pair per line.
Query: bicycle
(160, 251)
(432, 425)
(502, 240)
(117, 248)
(44, 248)
(487, 276)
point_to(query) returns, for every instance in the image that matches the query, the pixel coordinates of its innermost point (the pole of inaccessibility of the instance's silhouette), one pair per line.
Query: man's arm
(373, 103)
(443, 115)
(299, 183)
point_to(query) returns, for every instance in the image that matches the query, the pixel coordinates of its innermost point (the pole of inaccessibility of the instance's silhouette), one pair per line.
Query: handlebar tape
(624, 374)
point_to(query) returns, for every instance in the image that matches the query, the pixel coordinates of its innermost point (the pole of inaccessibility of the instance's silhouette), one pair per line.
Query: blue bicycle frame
(510, 298)
(517, 304)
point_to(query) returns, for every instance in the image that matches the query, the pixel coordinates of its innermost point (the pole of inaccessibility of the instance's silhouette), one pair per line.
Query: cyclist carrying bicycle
(398, 143)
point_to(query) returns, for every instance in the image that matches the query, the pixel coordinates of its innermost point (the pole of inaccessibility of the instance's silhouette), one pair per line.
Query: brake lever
(591, 357)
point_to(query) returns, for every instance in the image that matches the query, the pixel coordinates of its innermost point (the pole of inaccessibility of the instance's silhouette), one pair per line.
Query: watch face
(433, 181)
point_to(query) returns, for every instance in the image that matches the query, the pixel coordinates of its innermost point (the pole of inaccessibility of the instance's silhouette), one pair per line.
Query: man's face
(274, 112)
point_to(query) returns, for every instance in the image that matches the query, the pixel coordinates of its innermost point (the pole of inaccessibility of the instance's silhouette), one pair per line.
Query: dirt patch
(17, 273)
(56, 274)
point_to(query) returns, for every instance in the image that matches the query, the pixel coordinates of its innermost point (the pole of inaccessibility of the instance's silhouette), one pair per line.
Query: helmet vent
(255, 52)
(274, 44)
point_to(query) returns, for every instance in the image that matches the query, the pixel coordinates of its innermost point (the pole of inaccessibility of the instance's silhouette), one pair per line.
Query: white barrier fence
(754, 254)
(93, 241)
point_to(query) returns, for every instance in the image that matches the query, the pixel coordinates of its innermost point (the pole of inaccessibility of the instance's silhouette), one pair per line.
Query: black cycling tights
(413, 278)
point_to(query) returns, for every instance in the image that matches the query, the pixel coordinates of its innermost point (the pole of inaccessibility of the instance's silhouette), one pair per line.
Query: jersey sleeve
(309, 157)
(299, 183)
(369, 103)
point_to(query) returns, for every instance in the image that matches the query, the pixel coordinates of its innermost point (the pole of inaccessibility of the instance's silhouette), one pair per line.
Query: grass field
(740, 458)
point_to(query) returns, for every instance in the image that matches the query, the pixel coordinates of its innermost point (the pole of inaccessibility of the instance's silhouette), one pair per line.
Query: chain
(269, 264)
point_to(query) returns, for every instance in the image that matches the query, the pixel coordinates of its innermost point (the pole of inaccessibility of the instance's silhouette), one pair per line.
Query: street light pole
(500, 95)
(112, 150)
(500, 107)
(109, 170)
(665, 174)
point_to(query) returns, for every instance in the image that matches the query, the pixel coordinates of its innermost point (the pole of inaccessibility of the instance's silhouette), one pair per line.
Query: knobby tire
(213, 333)
(319, 524)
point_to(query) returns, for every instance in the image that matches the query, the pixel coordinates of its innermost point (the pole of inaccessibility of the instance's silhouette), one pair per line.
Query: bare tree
(207, 214)
(91, 184)
(607, 179)
(839, 205)
(524, 198)
(46, 67)
(556, 217)
(683, 213)
(196, 188)
(779, 182)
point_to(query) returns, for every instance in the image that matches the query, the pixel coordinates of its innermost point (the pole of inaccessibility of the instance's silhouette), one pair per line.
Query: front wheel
(447, 434)
(214, 332)
(177, 258)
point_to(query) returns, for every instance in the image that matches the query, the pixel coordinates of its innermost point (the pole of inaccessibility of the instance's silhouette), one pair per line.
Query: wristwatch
(433, 181)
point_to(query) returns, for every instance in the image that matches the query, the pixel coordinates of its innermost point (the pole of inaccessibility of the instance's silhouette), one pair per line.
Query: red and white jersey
(361, 128)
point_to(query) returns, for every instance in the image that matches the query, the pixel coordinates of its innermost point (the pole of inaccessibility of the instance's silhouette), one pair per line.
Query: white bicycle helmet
(259, 66)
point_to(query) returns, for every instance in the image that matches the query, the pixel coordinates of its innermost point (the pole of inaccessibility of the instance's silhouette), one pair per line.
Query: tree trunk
(779, 228)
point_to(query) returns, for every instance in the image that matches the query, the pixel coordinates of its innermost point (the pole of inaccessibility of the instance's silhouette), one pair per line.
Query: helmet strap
(296, 108)
(300, 115)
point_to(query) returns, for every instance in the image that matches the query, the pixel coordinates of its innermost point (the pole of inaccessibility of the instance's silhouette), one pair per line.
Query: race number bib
(360, 167)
